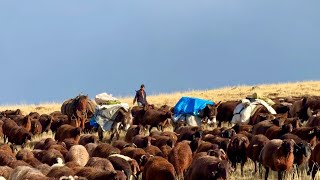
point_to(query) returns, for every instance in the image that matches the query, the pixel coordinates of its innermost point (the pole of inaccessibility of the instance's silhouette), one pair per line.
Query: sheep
(153, 150)
(19, 136)
(161, 141)
(44, 168)
(104, 150)
(69, 142)
(275, 132)
(28, 157)
(79, 154)
(254, 148)
(165, 151)
(158, 168)
(142, 141)
(48, 156)
(6, 158)
(25, 122)
(90, 148)
(16, 163)
(5, 171)
(36, 127)
(100, 163)
(208, 167)
(309, 134)
(25, 172)
(181, 157)
(45, 121)
(132, 132)
(314, 160)
(68, 131)
(278, 155)
(120, 144)
(58, 172)
(206, 146)
(237, 150)
(8, 124)
(137, 154)
(121, 164)
(222, 142)
(92, 173)
(88, 138)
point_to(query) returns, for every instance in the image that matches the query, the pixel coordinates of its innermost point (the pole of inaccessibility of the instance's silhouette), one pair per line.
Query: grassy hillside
(220, 94)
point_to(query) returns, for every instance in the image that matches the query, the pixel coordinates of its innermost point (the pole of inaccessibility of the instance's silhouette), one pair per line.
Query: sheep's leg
(267, 173)
(280, 174)
(242, 164)
(100, 133)
(255, 167)
(314, 172)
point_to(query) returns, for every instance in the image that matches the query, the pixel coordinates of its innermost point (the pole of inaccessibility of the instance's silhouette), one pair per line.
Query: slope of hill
(220, 94)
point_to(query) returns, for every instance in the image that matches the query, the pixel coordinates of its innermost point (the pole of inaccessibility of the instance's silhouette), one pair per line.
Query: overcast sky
(54, 50)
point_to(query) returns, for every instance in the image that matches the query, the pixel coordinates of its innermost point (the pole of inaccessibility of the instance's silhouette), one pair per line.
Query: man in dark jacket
(141, 96)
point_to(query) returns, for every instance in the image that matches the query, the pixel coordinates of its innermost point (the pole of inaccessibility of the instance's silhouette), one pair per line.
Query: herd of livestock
(282, 142)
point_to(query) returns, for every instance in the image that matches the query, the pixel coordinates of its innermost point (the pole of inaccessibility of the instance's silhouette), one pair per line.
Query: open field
(221, 94)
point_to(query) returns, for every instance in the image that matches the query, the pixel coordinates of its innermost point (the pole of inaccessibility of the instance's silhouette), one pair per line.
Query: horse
(122, 121)
(78, 110)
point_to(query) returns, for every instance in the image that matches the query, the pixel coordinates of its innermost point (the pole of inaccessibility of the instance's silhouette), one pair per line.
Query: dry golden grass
(220, 94)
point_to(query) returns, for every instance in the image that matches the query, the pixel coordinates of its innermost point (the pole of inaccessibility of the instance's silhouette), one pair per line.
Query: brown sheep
(69, 142)
(263, 126)
(132, 132)
(36, 127)
(120, 144)
(142, 141)
(34, 115)
(122, 163)
(48, 156)
(45, 121)
(256, 144)
(181, 157)
(19, 136)
(155, 118)
(6, 158)
(222, 142)
(5, 171)
(25, 122)
(8, 124)
(137, 154)
(158, 168)
(237, 150)
(165, 151)
(1, 130)
(24, 154)
(90, 148)
(58, 121)
(79, 154)
(92, 173)
(278, 155)
(153, 150)
(207, 168)
(242, 127)
(25, 172)
(100, 163)
(206, 146)
(104, 150)
(67, 131)
(9, 149)
(275, 132)
(16, 163)
(309, 134)
(44, 168)
(58, 172)
(88, 138)
(160, 141)
(59, 148)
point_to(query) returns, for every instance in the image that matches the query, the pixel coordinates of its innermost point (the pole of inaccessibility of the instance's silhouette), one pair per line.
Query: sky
(53, 50)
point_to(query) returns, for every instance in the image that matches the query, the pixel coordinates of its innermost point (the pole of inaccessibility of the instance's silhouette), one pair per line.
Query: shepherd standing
(141, 96)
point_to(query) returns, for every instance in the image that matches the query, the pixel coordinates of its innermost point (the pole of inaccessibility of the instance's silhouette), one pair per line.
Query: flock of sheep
(278, 142)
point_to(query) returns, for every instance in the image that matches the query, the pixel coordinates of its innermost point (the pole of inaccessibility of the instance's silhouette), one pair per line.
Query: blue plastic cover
(189, 105)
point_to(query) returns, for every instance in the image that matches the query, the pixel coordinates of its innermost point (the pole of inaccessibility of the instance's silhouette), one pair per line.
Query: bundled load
(106, 99)
(243, 111)
(189, 109)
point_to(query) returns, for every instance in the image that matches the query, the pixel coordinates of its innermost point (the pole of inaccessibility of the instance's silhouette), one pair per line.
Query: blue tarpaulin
(189, 105)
